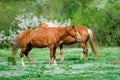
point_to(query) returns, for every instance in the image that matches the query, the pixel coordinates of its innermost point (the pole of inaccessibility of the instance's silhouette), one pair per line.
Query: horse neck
(62, 32)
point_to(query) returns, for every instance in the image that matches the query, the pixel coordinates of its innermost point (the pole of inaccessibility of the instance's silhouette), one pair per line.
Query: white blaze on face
(78, 36)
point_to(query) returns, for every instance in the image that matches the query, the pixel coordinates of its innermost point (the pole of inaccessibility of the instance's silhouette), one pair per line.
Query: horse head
(42, 25)
(72, 31)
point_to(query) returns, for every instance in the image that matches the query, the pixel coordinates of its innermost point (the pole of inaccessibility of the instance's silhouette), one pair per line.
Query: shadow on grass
(77, 60)
(37, 63)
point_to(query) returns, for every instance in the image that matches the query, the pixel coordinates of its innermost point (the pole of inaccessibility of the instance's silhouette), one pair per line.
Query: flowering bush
(27, 21)
(3, 39)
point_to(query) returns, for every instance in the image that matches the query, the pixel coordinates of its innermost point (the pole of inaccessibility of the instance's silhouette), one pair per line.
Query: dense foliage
(102, 16)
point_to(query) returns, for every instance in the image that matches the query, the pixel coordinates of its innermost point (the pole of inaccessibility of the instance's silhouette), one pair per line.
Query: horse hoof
(82, 56)
(31, 62)
(62, 59)
(23, 65)
(55, 64)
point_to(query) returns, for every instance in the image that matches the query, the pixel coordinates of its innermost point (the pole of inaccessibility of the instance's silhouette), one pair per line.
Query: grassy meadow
(106, 68)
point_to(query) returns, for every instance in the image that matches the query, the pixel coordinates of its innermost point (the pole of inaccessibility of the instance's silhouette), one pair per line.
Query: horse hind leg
(85, 51)
(29, 48)
(25, 51)
(61, 53)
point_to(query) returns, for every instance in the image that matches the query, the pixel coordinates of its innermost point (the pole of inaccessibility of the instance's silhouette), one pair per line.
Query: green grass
(106, 68)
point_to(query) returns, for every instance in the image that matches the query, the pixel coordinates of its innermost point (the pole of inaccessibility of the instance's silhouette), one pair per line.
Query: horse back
(43, 37)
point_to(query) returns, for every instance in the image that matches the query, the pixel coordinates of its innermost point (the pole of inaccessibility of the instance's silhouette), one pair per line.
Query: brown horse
(86, 34)
(43, 37)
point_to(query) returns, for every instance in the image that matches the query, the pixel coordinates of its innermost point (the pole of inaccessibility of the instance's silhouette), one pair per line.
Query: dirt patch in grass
(116, 62)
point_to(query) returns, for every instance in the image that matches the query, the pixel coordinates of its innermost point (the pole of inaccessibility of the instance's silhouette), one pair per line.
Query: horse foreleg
(54, 55)
(61, 53)
(51, 54)
(85, 51)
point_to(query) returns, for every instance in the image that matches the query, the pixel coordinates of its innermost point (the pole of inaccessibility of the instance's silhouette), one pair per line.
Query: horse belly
(39, 44)
(68, 40)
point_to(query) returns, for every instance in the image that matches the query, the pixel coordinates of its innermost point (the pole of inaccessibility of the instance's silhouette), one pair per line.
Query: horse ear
(40, 22)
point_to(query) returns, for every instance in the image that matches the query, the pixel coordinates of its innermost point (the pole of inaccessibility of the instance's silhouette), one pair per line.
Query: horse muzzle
(78, 39)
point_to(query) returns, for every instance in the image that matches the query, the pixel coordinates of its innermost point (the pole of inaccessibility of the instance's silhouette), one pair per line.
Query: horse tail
(92, 43)
(14, 49)
(15, 46)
